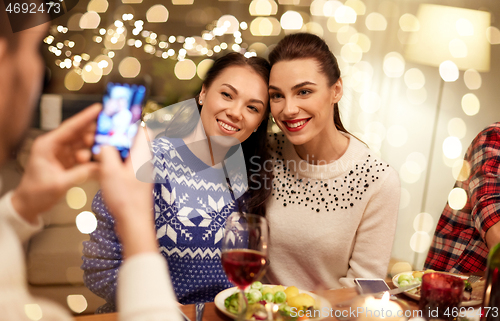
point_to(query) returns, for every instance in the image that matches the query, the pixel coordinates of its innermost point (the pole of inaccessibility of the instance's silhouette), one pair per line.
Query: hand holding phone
(366, 286)
(118, 122)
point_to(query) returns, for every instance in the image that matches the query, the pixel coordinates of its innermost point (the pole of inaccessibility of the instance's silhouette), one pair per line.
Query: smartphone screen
(117, 124)
(372, 285)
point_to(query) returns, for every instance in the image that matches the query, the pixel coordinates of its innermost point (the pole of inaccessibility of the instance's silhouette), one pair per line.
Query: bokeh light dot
(414, 78)
(457, 198)
(86, 222)
(351, 53)
(423, 222)
(457, 127)
(376, 22)
(405, 198)
(409, 23)
(417, 96)
(448, 71)
(409, 172)
(185, 69)
(76, 198)
(470, 104)
(291, 20)
(77, 303)
(345, 14)
(91, 73)
(400, 267)
(419, 159)
(73, 81)
(420, 242)
(203, 67)
(472, 79)
(33, 311)
(394, 65)
(129, 67)
(461, 170)
(452, 147)
(493, 35)
(157, 14)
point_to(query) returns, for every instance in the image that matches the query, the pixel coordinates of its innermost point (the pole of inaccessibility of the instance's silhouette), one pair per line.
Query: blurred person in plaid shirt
(463, 237)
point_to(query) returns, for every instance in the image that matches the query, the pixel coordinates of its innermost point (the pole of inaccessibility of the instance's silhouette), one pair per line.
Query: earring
(255, 130)
(201, 102)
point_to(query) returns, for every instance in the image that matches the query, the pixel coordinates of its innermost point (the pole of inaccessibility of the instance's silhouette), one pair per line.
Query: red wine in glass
(243, 266)
(244, 252)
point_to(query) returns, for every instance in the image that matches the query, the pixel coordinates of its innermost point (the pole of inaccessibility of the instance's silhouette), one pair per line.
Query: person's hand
(59, 160)
(130, 201)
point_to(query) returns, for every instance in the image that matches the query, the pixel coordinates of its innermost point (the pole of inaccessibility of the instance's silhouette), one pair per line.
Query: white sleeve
(375, 235)
(23, 229)
(144, 290)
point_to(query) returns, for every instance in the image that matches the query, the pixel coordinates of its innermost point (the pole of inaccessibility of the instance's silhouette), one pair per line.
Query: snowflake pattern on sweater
(190, 208)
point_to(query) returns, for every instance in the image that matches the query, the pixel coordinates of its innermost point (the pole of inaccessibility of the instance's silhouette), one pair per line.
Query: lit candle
(379, 309)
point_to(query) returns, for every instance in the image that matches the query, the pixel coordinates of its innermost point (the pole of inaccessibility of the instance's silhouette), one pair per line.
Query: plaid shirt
(459, 242)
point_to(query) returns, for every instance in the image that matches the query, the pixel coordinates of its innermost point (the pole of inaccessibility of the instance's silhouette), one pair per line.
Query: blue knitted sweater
(191, 205)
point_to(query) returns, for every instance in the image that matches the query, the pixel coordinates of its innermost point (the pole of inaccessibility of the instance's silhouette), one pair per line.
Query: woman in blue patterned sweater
(205, 169)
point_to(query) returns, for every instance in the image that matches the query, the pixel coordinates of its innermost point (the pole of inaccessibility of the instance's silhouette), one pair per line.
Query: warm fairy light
(345, 14)
(493, 35)
(86, 222)
(291, 20)
(423, 222)
(420, 242)
(129, 67)
(409, 23)
(105, 63)
(452, 147)
(358, 6)
(243, 25)
(203, 68)
(457, 198)
(223, 46)
(410, 172)
(362, 41)
(351, 53)
(263, 8)
(470, 104)
(118, 23)
(98, 6)
(90, 20)
(228, 24)
(77, 303)
(414, 78)
(472, 79)
(157, 14)
(182, 2)
(457, 127)
(171, 39)
(236, 47)
(376, 22)
(345, 34)
(91, 73)
(185, 69)
(217, 48)
(394, 65)
(330, 7)
(33, 311)
(316, 7)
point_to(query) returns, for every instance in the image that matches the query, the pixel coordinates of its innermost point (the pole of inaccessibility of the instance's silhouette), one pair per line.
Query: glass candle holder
(440, 296)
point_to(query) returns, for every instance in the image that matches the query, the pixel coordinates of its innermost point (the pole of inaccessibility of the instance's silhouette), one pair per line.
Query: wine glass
(244, 252)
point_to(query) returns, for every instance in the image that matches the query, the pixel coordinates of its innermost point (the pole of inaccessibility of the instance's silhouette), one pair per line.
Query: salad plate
(415, 294)
(321, 302)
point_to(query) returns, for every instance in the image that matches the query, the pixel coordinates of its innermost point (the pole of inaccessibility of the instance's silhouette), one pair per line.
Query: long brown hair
(254, 147)
(306, 45)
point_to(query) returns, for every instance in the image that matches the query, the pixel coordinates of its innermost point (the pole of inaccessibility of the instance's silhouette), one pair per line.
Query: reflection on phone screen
(117, 124)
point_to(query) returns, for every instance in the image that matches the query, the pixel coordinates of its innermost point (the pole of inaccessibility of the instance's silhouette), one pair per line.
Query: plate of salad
(290, 302)
(413, 277)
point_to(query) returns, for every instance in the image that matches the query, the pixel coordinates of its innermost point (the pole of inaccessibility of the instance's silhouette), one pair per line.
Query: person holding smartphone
(197, 183)
(59, 160)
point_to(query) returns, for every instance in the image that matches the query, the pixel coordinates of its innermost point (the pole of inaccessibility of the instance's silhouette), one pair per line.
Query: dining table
(212, 313)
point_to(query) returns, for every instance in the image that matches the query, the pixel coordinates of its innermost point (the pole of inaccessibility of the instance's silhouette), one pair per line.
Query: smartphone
(371, 285)
(118, 122)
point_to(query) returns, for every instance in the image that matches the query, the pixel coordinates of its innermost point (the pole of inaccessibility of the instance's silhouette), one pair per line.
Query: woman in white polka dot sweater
(334, 204)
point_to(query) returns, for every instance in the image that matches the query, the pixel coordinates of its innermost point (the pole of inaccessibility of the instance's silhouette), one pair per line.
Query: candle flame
(385, 297)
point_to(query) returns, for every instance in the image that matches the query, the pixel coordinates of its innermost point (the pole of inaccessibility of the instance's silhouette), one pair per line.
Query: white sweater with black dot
(330, 223)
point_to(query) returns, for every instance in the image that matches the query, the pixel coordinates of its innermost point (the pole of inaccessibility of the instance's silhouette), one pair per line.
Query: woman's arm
(375, 235)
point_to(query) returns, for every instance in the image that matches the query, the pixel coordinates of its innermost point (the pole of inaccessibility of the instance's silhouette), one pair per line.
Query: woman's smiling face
(302, 100)
(234, 104)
